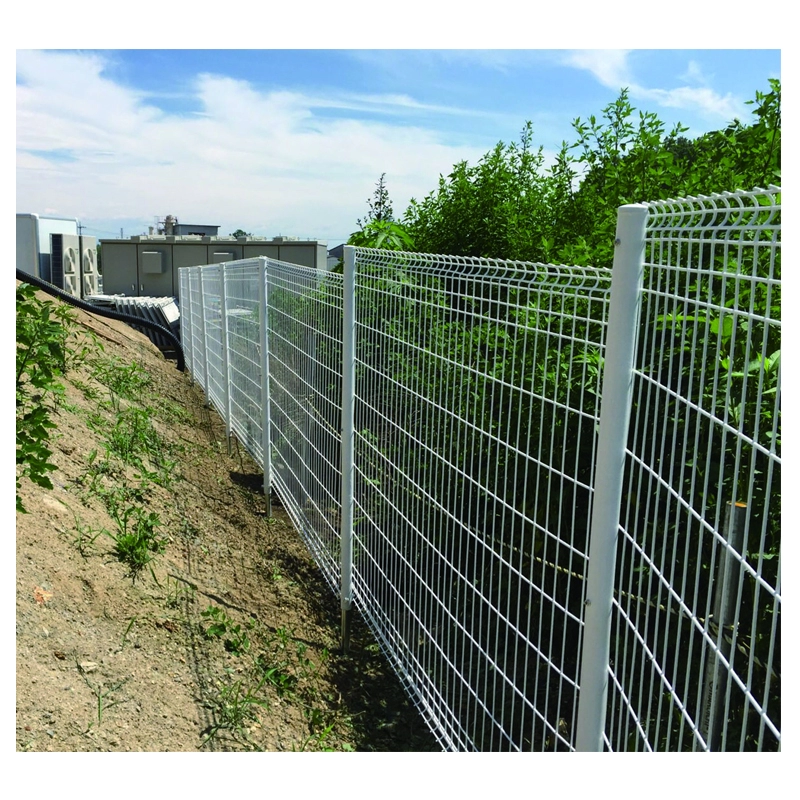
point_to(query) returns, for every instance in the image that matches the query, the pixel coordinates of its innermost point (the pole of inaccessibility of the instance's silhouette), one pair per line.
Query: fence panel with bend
(434, 427)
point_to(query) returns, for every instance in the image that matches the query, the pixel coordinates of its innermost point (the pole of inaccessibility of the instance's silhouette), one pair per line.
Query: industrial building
(51, 248)
(148, 265)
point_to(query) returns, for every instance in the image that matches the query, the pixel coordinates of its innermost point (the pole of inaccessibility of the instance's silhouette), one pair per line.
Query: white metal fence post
(623, 316)
(266, 442)
(348, 437)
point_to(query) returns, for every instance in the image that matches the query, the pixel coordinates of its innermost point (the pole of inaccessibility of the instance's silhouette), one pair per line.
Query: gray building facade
(147, 266)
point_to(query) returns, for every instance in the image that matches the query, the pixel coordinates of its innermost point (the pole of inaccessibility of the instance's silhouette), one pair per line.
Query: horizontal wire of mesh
(304, 312)
(476, 415)
(695, 648)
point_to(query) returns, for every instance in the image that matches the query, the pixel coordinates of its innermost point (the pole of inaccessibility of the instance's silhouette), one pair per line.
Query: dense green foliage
(499, 208)
(379, 229)
(43, 328)
(382, 235)
(508, 206)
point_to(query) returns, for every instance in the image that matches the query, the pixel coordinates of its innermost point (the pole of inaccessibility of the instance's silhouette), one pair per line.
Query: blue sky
(292, 142)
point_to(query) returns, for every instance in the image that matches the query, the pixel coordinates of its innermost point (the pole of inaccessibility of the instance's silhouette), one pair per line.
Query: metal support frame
(266, 443)
(185, 306)
(223, 309)
(348, 441)
(204, 334)
(725, 593)
(617, 393)
(443, 531)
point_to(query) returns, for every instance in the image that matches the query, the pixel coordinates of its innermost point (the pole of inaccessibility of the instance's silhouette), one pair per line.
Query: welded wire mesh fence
(305, 356)
(695, 658)
(475, 415)
(433, 427)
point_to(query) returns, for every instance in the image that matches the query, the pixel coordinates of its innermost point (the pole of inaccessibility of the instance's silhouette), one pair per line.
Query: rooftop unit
(171, 227)
(51, 248)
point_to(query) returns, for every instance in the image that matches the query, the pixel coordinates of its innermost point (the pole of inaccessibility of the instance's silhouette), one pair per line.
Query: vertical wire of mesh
(475, 428)
(695, 643)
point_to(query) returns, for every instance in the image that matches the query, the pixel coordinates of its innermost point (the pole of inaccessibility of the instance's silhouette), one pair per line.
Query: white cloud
(611, 69)
(398, 62)
(694, 74)
(388, 104)
(264, 161)
(693, 98)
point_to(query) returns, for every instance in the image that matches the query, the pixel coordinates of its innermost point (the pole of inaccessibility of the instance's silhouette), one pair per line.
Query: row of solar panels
(161, 310)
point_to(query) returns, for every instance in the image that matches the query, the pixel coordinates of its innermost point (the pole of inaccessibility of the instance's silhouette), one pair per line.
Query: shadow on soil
(384, 717)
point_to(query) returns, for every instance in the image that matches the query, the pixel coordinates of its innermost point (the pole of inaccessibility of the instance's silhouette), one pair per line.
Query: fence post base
(347, 618)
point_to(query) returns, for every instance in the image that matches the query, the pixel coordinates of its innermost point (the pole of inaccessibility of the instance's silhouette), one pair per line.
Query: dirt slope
(226, 640)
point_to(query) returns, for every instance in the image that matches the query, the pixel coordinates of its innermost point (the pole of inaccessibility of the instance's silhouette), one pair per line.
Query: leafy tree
(382, 235)
(380, 206)
(508, 206)
(497, 208)
(627, 162)
(379, 228)
(742, 156)
(239, 232)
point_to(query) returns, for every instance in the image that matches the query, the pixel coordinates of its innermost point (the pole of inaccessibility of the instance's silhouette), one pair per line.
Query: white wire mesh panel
(475, 419)
(304, 311)
(192, 305)
(695, 649)
(217, 378)
(245, 359)
(185, 318)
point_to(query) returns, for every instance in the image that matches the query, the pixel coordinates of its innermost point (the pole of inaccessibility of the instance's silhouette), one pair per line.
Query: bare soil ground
(226, 640)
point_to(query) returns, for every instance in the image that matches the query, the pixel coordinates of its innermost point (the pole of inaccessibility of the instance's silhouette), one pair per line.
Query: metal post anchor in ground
(617, 392)
(348, 441)
(725, 596)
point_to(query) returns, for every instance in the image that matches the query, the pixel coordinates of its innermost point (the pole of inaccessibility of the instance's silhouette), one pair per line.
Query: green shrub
(43, 328)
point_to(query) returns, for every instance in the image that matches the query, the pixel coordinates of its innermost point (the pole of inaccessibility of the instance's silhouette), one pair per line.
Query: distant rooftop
(205, 238)
(186, 229)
